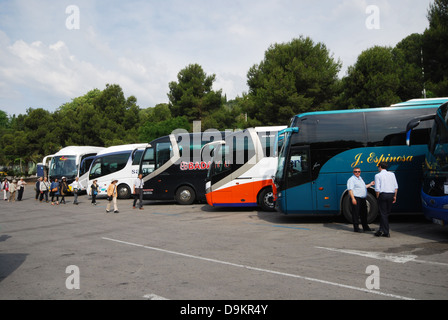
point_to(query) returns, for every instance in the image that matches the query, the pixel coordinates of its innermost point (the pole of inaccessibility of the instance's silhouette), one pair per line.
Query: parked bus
(117, 162)
(84, 170)
(173, 166)
(66, 162)
(434, 190)
(242, 168)
(322, 148)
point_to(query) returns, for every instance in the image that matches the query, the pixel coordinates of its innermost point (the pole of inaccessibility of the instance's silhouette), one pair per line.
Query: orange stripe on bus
(236, 194)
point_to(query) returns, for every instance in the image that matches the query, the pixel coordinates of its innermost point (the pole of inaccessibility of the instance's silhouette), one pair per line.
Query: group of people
(11, 188)
(55, 189)
(386, 188)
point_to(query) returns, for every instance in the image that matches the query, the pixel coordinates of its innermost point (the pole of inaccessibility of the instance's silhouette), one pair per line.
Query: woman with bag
(112, 196)
(54, 191)
(94, 192)
(44, 187)
(63, 189)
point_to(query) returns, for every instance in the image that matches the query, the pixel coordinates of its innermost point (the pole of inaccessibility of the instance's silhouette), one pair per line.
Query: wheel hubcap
(269, 199)
(185, 195)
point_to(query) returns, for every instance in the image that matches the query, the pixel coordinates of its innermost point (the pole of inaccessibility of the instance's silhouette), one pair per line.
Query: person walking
(77, 187)
(37, 188)
(5, 188)
(112, 196)
(63, 189)
(54, 187)
(20, 189)
(386, 188)
(138, 191)
(357, 190)
(44, 187)
(94, 191)
(12, 191)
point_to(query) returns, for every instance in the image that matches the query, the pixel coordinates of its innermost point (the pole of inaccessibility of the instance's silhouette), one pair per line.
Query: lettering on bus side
(184, 166)
(373, 158)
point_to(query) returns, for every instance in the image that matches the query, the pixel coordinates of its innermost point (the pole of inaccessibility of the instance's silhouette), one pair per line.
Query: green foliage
(435, 48)
(408, 58)
(294, 77)
(4, 120)
(192, 95)
(153, 130)
(373, 81)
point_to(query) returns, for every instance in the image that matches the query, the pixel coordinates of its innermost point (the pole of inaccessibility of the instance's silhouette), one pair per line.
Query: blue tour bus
(321, 149)
(434, 188)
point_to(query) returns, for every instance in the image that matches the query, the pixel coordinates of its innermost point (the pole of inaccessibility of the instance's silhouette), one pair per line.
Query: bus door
(299, 189)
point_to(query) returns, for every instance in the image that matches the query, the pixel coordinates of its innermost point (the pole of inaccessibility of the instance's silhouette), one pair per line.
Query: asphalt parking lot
(197, 252)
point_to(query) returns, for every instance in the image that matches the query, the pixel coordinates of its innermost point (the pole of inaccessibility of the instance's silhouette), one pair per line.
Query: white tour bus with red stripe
(242, 168)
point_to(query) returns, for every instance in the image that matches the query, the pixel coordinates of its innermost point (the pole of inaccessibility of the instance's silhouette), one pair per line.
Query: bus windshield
(63, 166)
(282, 157)
(438, 146)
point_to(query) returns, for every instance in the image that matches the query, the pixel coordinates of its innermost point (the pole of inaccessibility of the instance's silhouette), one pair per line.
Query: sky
(52, 51)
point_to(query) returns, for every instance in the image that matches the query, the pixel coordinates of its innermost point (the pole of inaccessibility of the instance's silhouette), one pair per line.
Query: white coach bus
(118, 162)
(66, 162)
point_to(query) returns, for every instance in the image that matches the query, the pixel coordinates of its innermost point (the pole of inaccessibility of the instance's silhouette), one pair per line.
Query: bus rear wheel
(266, 200)
(372, 208)
(185, 195)
(123, 192)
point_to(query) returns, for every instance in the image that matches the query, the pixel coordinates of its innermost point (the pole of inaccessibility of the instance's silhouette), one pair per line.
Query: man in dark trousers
(357, 190)
(386, 188)
(138, 191)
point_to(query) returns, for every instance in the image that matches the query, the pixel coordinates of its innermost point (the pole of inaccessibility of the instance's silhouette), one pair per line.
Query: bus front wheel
(372, 208)
(266, 200)
(185, 195)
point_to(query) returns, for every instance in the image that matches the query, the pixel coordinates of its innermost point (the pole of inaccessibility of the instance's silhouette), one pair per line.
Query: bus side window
(148, 163)
(136, 157)
(298, 163)
(299, 168)
(163, 153)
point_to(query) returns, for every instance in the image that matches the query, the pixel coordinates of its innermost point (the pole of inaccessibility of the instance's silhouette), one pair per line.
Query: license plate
(438, 221)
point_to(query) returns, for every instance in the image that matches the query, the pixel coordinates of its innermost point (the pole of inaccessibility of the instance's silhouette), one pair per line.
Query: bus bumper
(435, 209)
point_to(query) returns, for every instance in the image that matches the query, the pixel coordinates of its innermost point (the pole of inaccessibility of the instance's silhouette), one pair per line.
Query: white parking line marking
(375, 255)
(263, 270)
(384, 256)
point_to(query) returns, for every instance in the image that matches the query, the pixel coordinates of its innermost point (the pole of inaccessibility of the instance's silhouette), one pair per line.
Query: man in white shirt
(386, 188)
(20, 188)
(77, 187)
(357, 190)
(138, 191)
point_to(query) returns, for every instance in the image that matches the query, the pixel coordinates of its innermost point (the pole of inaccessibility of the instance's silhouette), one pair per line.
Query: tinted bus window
(109, 164)
(163, 153)
(332, 127)
(148, 163)
(386, 128)
(137, 156)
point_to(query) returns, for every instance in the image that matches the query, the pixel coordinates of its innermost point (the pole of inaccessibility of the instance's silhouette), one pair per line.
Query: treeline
(293, 78)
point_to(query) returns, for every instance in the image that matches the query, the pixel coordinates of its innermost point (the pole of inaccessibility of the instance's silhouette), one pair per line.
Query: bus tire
(372, 208)
(266, 200)
(123, 192)
(185, 195)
